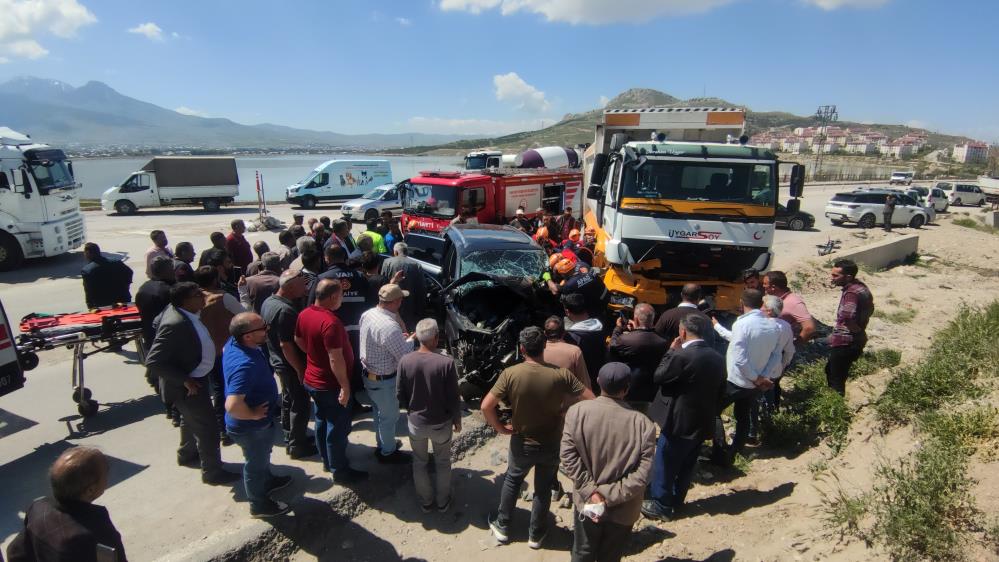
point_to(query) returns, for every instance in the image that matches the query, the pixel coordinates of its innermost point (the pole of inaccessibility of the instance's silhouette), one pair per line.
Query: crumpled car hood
(523, 286)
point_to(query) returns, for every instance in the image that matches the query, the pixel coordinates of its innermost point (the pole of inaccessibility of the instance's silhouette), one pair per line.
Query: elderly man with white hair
(428, 387)
(773, 306)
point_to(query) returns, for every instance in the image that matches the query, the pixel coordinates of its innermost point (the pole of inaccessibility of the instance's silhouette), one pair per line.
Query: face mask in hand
(593, 510)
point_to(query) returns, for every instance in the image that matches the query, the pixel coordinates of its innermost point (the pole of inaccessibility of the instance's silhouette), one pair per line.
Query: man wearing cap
(383, 344)
(535, 391)
(280, 312)
(607, 451)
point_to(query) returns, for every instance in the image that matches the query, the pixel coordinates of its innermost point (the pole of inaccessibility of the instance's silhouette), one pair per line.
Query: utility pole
(824, 115)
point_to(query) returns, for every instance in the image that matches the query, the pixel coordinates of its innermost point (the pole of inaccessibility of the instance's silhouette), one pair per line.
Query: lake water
(278, 172)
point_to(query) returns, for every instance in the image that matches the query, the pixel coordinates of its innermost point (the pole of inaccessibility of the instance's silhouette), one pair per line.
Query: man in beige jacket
(607, 451)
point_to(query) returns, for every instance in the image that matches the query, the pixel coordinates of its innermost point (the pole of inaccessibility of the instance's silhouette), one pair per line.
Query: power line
(824, 115)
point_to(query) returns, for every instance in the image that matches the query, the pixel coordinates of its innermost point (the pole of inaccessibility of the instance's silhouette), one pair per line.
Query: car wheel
(867, 221)
(308, 202)
(797, 223)
(124, 207)
(957, 201)
(917, 221)
(980, 202)
(370, 214)
(211, 205)
(11, 256)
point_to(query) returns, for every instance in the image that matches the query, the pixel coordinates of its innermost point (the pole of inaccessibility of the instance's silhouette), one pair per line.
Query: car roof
(474, 237)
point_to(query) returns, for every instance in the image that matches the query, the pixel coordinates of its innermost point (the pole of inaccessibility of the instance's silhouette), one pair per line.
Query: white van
(339, 180)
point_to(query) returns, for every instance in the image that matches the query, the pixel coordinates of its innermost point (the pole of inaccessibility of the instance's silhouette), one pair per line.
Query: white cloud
(444, 125)
(405, 22)
(511, 88)
(175, 35)
(23, 21)
(188, 111)
(836, 4)
(592, 12)
(149, 29)
(604, 100)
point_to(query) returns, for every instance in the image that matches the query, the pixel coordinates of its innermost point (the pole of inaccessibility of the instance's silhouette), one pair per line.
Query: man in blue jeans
(383, 343)
(328, 362)
(251, 399)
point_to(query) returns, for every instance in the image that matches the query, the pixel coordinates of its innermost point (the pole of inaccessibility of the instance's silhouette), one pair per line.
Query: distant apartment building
(826, 147)
(970, 153)
(898, 149)
(861, 146)
(794, 145)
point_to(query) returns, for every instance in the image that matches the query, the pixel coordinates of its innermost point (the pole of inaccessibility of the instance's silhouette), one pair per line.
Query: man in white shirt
(753, 354)
(383, 343)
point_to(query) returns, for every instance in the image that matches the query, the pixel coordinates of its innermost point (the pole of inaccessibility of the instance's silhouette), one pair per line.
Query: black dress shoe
(303, 451)
(278, 483)
(349, 476)
(220, 477)
(190, 462)
(397, 457)
(273, 509)
(652, 510)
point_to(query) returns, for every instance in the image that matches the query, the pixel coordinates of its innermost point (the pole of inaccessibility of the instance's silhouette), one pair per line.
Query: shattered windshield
(435, 200)
(505, 263)
(744, 183)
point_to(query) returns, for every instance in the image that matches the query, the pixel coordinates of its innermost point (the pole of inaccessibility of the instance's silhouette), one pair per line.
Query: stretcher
(105, 329)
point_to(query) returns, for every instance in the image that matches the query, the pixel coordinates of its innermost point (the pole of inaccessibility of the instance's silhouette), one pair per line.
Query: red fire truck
(433, 199)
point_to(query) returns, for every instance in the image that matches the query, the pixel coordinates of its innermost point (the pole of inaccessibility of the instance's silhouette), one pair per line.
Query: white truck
(39, 201)
(209, 181)
(338, 180)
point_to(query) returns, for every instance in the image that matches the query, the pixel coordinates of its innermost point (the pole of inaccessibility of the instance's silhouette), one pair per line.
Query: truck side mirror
(617, 141)
(797, 180)
(599, 172)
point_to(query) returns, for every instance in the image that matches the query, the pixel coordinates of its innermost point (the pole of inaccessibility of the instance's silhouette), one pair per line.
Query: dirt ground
(774, 510)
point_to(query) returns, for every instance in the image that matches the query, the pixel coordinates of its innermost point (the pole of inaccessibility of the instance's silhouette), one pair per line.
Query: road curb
(314, 517)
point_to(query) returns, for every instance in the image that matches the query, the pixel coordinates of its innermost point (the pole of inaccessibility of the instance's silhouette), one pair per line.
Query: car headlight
(622, 300)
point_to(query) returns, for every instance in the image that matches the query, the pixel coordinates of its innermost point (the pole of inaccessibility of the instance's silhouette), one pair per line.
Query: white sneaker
(535, 543)
(497, 533)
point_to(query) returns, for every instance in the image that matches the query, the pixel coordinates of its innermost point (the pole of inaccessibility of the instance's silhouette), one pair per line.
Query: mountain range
(577, 128)
(97, 115)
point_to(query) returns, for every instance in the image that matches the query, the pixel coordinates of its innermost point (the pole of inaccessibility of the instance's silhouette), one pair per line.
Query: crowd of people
(621, 407)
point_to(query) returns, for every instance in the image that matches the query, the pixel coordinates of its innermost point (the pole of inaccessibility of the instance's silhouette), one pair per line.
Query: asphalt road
(156, 504)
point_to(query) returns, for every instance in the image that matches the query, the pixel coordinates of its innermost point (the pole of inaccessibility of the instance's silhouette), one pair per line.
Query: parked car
(866, 209)
(931, 197)
(485, 286)
(901, 178)
(962, 193)
(797, 220)
(370, 206)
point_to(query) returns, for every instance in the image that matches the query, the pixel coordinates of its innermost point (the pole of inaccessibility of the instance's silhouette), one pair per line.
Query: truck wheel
(11, 256)
(211, 205)
(917, 221)
(867, 221)
(797, 223)
(124, 207)
(308, 202)
(370, 214)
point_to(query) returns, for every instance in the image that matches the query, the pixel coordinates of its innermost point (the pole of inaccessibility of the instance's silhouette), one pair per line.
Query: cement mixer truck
(39, 201)
(550, 157)
(677, 196)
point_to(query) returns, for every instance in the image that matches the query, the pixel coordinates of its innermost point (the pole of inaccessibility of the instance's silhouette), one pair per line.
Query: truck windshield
(51, 174)
(476, 162)
(723, 182)
(505, 263)
(435, 200)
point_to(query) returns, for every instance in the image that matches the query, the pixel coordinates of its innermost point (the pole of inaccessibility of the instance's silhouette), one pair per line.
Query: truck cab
(697, 209)
(483, 159)
(433, 199)
(39, 201)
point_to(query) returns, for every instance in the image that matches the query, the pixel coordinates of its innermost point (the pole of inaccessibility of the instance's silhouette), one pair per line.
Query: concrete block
(885, 254)
(993, 219)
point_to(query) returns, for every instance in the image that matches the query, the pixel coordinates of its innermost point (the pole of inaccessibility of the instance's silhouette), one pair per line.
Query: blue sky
(490, 66)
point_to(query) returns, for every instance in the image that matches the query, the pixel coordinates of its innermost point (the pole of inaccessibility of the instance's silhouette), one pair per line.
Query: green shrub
(810, 411)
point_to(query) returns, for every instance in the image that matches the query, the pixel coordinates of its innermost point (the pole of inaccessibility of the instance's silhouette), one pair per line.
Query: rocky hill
(577, 128)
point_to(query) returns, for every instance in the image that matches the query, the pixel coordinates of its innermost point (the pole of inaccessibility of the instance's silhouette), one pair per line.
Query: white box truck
(209, 181)
(39, 201)
(339, 180)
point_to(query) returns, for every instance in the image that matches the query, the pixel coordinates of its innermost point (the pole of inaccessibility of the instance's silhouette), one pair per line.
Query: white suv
(901, 178)
(866, 208)
(962, 193)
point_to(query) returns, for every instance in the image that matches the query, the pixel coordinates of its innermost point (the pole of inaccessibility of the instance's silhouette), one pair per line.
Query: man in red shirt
(329, 361)
(795, 312)
(237, 246)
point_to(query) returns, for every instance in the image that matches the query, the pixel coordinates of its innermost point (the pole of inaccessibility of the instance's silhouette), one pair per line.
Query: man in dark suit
(181, 355)
(635, 344)
(67, 526)
(691, 380)
(105, 282)
(153, 296)
(668, 325)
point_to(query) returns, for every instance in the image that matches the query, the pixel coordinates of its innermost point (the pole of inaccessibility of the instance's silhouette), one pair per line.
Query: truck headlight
(622, 300)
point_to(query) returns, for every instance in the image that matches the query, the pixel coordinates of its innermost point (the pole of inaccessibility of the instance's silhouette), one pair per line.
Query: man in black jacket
(181, 355)
(105, 282)
(153, 296)
(635, 344)
(68, 526)
(691, 380)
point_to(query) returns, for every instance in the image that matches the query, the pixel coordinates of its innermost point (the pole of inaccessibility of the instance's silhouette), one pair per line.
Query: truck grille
(74, 232)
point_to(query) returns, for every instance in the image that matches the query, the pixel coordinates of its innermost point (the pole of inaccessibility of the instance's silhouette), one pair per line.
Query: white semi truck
(39, 201)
